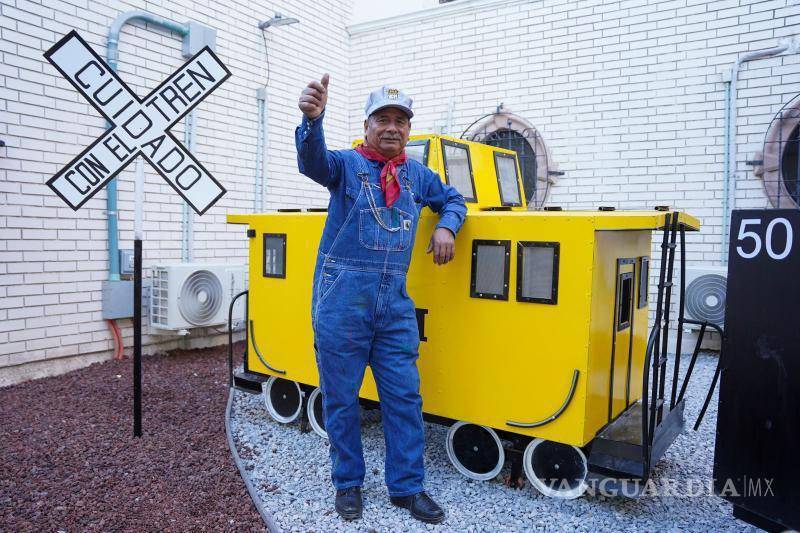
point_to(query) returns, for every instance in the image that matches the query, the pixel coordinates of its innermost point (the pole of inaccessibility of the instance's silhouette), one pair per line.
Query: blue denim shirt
(335, 169)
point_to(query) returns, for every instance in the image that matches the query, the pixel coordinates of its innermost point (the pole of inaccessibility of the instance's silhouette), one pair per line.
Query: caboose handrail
(258, 352)
(230, 336)
(648, 429)
(555, 415)
(645, 395)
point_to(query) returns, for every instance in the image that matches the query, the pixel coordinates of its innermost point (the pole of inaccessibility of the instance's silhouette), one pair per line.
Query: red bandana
(389, 183)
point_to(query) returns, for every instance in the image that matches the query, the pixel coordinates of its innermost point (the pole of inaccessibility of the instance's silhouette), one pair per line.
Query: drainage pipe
(113, 57)
(187, 215)
(729, 165)
(261, 142)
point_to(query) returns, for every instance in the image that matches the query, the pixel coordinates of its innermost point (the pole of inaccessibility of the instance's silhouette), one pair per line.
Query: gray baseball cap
(388, 97)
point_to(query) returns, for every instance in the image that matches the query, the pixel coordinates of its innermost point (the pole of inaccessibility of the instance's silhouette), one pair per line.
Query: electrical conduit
(729, 165)
(112, 55)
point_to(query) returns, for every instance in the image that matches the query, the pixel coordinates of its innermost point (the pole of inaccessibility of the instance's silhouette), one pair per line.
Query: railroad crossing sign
(138, 126)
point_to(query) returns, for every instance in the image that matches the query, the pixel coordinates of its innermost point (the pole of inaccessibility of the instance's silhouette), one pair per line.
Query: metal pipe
(112, 54)
(258, 196)
(264, 153)
(187, 213)
(729, 165)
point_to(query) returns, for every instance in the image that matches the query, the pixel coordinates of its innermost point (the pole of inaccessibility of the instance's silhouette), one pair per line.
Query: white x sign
(139, 126)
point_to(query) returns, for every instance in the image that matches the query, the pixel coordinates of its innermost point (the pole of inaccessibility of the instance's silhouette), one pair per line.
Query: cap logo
(393, 94)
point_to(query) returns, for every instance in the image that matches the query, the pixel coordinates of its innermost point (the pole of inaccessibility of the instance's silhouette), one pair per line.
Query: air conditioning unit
(705, 294)
(191, 295)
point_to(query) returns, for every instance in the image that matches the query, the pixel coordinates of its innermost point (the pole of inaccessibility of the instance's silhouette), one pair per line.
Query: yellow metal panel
(491, 361)
(484, 361)
(609, 247)
(487, 189)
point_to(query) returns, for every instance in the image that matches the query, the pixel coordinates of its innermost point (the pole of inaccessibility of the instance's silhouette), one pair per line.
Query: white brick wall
(53, 260)
(628, 94)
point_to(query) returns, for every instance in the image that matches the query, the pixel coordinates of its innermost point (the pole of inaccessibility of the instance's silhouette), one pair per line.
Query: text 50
(774, 250)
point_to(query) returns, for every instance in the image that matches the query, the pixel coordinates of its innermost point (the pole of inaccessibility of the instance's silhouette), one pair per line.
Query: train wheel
(556, 470)
(283, 399)
(314, 411)
(475, 451)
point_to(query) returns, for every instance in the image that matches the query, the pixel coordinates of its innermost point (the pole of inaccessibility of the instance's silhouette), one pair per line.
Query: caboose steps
(248, 381)
(617, 450)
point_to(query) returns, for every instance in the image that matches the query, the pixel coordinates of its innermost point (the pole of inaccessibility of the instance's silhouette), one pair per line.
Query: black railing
(656, 353)
(230, 335)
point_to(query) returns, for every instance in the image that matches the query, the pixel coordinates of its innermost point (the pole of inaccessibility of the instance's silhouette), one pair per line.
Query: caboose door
(621, 350)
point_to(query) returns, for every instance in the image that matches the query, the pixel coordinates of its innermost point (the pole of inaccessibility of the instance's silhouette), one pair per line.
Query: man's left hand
(443, 246)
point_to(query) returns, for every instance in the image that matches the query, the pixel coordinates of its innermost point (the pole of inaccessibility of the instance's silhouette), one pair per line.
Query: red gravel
(70, 461)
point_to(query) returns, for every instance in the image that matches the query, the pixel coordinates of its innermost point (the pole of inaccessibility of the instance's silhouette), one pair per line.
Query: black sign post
(756, 462)
(137, 127)
(137, 338)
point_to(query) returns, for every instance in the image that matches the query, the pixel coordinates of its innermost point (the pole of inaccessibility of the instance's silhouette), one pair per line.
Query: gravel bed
(292, 472)
(70, 462)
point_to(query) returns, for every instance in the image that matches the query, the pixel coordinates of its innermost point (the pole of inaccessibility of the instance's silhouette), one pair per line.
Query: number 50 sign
(778, 236)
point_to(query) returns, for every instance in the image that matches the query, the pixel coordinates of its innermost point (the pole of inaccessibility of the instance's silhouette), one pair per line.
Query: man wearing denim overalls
(361, 312)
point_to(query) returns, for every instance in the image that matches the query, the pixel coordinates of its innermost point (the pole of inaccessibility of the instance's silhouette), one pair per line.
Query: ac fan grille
(705, 298)
(200, 297)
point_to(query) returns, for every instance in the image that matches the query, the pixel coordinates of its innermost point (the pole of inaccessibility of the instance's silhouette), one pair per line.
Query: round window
(506, 130)
(780, 166)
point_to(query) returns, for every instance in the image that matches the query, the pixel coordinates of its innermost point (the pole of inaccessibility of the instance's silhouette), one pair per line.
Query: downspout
(187, 215)
(261, 141)
(729, 165)
(113, 57)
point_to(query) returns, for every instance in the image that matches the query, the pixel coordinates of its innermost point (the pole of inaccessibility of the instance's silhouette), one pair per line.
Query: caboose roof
(601, 220)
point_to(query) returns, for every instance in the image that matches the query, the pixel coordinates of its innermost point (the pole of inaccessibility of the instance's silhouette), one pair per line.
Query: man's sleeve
(445, 200)
(313, 157)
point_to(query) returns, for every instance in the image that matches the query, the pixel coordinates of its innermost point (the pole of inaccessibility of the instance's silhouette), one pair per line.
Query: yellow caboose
(534, 340)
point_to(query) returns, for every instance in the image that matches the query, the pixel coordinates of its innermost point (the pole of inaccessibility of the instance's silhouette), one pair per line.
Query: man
(361, 312)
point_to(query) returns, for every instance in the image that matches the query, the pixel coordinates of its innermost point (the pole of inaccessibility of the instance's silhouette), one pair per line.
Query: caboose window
(644, 275)
(506, 166)
(274, 255)
(537, 272)
(490, 265)
(418, 150)
(624, 300)
(458, 169)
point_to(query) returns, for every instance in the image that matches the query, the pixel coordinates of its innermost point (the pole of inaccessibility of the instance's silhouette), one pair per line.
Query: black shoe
(422, 507)
(348, 503)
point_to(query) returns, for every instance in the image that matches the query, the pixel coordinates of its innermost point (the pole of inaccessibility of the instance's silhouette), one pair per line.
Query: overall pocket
(392, 233)
(328, 279)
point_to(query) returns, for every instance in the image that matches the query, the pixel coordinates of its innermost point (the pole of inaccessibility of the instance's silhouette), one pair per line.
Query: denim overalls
(363, 315)
(361, 312)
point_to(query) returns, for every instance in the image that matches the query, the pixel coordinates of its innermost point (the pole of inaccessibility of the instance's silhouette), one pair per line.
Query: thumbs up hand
(314, 97)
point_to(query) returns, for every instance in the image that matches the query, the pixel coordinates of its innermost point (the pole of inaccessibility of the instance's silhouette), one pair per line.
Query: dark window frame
(281, 236)
(518, 203)
(521, 245)
(474, 269)
(474, 198)
(621, 278)
(423, 142)
(644, 277)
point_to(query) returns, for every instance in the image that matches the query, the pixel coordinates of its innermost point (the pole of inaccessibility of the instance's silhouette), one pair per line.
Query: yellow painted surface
(609, 247)
(484, 171)
(484, 361)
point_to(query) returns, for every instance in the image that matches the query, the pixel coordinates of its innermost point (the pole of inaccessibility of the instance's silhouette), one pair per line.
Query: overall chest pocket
(392, 232)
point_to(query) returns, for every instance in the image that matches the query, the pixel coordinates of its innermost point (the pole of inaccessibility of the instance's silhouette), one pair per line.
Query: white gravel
(291, 470)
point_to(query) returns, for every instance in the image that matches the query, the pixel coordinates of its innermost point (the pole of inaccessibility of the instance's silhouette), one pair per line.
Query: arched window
(506, 130)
